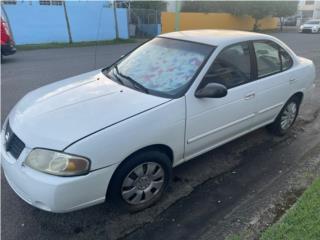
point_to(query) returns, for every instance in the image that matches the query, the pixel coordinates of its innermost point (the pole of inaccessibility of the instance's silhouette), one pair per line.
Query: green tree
(256, 9)
(284, 9)
(155, 5)
(207, 6)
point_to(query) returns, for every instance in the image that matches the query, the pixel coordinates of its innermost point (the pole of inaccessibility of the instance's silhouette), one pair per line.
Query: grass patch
(70, 45)
(234, 237)
(302, 221)
(239, 236)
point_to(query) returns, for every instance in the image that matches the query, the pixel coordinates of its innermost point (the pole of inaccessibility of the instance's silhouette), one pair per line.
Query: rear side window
(231, 68)
(286, 59)
(268, 58)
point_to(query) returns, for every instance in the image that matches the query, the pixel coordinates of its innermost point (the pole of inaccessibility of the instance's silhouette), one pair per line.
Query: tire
(140, 181)
(286, 117)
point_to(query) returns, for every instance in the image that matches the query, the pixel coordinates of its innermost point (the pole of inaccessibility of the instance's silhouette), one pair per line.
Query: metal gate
(144, 23)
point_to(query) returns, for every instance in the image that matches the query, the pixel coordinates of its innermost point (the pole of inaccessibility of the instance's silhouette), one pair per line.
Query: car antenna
(97, 38)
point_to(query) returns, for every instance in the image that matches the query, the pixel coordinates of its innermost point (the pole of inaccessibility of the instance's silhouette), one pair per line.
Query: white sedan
(116, 133)
(311, 26)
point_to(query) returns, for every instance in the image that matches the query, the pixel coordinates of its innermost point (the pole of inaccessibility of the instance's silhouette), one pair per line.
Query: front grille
(13, 144)
(307, 30)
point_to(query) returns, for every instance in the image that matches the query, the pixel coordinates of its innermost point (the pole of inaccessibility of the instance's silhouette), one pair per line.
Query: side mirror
(212, 90)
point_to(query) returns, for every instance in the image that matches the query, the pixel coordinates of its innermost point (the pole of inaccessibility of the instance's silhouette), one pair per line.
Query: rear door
(273, 80)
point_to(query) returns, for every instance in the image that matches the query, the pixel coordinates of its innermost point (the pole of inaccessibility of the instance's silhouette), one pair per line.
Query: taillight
(6, 28)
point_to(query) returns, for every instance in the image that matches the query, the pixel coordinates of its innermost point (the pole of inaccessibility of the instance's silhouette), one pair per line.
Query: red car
(7, 42)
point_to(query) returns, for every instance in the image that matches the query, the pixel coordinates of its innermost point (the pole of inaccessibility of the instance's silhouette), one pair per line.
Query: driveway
(239, 186)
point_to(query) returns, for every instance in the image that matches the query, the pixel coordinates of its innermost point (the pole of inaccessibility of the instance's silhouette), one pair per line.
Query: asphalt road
(219, 193)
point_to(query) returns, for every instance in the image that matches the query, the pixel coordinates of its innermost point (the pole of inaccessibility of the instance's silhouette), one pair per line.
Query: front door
(214, 121)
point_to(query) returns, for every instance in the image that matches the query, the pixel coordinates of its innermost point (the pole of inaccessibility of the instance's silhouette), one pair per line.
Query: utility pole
(115, 19)
(129, 11)
(177, 16)
(67, 21)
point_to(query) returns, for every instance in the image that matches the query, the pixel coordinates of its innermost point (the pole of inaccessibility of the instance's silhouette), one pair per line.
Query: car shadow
(9, 59)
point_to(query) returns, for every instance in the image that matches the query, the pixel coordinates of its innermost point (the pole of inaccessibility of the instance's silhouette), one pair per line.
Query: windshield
(313, 22)
(162, 66)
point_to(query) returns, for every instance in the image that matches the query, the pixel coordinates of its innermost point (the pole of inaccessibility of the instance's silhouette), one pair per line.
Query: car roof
(216, 37)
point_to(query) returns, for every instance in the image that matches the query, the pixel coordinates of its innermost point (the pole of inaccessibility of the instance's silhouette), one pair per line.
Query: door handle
(249, 96)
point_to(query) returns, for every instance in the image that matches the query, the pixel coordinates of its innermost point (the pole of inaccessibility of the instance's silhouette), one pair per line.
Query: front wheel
(140, 180)
(286, 117)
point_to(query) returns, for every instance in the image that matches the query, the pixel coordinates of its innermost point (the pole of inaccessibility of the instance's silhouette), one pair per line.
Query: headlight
(314, 27)
(301, 27)
(57, 163)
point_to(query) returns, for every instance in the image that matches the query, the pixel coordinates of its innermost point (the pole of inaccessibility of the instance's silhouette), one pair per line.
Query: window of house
(231, 68)
(51, 2)
(9, 2)
(57, 3)
(44, 2)
(310, 2)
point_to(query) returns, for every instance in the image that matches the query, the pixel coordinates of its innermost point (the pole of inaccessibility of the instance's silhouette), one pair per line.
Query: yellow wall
(213, 20)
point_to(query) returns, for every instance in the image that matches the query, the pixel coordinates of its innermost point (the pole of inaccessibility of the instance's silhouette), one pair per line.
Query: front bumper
(308, 30)
(54, 193)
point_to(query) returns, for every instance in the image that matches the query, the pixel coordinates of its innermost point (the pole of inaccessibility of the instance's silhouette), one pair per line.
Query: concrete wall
(37, 24)
(213, 20)
(123, 26)
(89, 21)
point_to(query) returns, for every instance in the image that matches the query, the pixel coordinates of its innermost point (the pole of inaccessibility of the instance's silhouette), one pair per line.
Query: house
(309, 9)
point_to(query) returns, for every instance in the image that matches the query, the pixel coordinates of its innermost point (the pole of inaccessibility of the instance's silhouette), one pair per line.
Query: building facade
(308, 9)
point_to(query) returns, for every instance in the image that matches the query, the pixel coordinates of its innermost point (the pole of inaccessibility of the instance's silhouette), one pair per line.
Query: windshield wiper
(132, 81)
(118, 79)
(114, 76)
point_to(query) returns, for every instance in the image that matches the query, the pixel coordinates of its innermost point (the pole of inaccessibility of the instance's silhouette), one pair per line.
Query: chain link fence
(144, 23)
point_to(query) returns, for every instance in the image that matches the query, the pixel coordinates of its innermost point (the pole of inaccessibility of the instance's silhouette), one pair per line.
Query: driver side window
(231, 68)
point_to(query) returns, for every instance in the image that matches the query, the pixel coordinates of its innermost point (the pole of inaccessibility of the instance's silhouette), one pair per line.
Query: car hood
(310, 25)
(56, 115)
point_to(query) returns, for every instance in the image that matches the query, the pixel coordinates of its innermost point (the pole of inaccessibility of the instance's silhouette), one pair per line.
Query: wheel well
(298, 95)
(156, 147)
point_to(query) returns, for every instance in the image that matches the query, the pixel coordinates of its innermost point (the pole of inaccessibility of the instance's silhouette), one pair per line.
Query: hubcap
(143, 183)
(288, 116)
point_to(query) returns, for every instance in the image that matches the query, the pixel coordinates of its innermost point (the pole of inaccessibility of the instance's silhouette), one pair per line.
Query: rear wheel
(140, 180)
(286, 117)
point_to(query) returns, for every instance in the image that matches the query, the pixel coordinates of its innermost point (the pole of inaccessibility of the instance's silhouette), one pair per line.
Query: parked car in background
(310, 26)
(290, 21)
(7, 42)
(116, 133)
